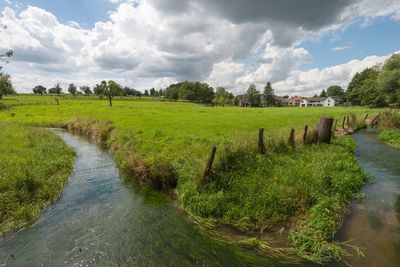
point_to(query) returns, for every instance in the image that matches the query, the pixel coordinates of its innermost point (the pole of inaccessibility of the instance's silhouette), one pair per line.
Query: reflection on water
(374, 222)
(103, 221)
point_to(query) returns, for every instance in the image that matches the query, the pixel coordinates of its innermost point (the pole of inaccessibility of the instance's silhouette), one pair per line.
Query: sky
(300, 46)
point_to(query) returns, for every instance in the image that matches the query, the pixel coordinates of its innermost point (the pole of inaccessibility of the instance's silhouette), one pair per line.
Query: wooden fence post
(305, 134)
(348, 120)
(210, 161)
(344, 120)
(325, 129)
(334, 128)
(261, 146)
(291, 138)
(366, 117)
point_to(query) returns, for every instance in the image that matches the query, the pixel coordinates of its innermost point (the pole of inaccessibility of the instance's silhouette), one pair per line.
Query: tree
(152, 92)
(39, 90)
(362, 85)
(4, 56)
(253, 96)
(268, 96)
(223, 97)
(86, 90)
(72, 89)
(323, 93)
(146, 92)
(191, 91)
(56, 89)
(99, 90)
(335, 90)
(112, 89)
(5, 85)
(393, 63)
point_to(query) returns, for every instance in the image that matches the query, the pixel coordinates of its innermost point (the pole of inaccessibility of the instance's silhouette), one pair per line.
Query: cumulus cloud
(149, 43)
(313, 81)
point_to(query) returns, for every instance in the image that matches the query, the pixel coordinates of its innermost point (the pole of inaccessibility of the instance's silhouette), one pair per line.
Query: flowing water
(100, 220)
(374, 222)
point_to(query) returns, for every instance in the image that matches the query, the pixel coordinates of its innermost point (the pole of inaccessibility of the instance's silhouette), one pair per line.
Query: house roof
(296, 98)
(315, 99)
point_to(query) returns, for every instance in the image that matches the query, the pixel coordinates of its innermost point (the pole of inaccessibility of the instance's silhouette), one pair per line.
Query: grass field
(390, 128)
(34, 166)
(165, 144)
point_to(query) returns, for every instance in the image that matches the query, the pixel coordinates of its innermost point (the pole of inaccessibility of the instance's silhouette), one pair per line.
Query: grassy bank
(389, 124)
(34, 166)
(300, 192)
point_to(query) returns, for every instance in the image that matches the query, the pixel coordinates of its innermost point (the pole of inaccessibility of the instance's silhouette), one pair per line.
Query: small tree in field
(56, 89)
(5, 85)
(86, 90)
(112, 89)
(39, 90)
(72, 89)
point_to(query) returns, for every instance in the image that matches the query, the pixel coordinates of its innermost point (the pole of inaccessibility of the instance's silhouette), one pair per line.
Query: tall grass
(34, 166)
(166, 145)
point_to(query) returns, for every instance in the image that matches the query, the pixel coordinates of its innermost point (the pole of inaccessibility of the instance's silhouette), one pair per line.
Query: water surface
(100, 220)
(374, 222)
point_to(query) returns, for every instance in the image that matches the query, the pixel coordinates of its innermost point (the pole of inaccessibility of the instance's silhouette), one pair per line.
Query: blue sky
(151, 43)
(85, 12)
(380, 37)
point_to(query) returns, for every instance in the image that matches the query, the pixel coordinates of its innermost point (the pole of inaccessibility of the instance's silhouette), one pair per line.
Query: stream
(102, 219)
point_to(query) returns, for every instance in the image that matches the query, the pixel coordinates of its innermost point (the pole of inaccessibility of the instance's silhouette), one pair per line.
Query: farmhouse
(318, 102)
(294, 101)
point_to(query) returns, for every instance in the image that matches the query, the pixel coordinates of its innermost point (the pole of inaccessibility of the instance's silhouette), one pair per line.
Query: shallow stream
(103, 220)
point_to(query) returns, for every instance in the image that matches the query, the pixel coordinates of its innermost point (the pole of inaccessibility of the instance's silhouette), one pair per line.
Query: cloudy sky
(301, 46)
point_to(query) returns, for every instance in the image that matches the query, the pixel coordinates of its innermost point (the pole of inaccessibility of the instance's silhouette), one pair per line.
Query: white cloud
(150, 43)
(313, 81)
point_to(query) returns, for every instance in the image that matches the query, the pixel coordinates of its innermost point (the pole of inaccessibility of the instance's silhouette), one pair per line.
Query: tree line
(377, 86)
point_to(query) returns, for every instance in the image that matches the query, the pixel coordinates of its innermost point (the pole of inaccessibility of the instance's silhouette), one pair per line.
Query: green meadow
(302, 192)
(34, 166)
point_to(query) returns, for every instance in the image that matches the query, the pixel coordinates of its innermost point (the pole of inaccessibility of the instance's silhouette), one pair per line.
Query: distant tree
(190, 91)
(6, 55)
(56, 89)
(39, 90)
(72, 89)
(223, 97)
(393, 63)
(99, 90)
(112, 89)
(323, 93)
(6, 87)
(152, 92)
(362, 88)
(253, 96)
(268, 96)
(172, 92)
(335, 90)
(389, 80)
(86, 90)
(146, 92)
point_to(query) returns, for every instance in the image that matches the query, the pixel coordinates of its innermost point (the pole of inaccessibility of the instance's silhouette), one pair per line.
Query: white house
(318, 102)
